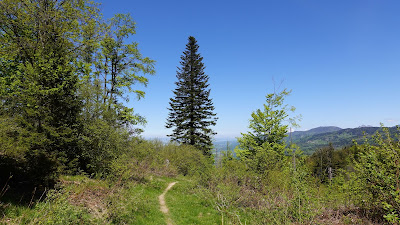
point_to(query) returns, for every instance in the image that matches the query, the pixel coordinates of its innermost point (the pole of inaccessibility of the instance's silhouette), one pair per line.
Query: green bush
(22, 160)
(375, 181)
(186, 159)
(101, 144)
(243, 195)
(142, 158)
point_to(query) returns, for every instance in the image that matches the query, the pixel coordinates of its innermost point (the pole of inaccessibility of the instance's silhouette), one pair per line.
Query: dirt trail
(163, 205)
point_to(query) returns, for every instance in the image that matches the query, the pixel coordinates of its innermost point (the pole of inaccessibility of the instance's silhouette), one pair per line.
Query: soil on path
(163, 205)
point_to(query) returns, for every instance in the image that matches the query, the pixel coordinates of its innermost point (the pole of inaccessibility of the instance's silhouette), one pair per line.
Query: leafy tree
(339, 160)
(109, 72)
(263, 147)
(191, 109)
(39, 41)
(321, 160)
(118, 68)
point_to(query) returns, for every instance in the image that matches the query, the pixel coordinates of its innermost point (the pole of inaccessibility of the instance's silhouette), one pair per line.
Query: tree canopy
(65, 75)
(263, 147)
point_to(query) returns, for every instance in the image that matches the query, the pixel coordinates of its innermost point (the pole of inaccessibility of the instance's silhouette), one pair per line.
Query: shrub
(24, 162)
(143, 158)
(187, 159)
(375, 183)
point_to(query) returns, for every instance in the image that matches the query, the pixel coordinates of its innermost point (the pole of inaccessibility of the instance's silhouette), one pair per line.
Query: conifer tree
(40, 41)
(191, 109)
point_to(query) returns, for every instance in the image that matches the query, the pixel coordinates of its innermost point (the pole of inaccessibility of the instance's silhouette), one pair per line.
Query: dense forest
(71, 150)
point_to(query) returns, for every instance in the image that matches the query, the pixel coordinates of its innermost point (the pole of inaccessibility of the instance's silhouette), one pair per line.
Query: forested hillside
(309, 141)
(317, 130)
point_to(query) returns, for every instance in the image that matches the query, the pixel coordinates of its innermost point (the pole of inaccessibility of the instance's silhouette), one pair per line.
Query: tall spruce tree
(191, 110)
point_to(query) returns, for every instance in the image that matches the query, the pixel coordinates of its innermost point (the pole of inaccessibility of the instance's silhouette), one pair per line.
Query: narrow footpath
(163, 206)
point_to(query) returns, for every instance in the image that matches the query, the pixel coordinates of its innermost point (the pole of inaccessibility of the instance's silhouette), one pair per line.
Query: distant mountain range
(313, 139)
(317, 130)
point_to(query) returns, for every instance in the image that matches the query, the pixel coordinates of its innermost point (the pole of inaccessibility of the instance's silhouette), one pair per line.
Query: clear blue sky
(340, 58)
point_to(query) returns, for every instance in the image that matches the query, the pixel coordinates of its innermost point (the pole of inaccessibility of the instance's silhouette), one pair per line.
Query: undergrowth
(229, 193)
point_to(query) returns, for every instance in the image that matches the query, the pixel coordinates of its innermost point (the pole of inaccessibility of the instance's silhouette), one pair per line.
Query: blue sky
(340, 58)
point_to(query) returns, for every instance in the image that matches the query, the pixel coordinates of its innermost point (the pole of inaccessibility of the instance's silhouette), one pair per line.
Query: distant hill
(310, 141)
(297, 137)
(317, 130)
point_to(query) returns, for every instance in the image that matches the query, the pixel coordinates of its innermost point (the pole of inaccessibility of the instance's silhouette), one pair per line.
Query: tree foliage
(339, 160)
(191, 109)
(263, 147)
(65, 75)
(119, 67)
(109, 73)
(39, 43)
(375, 180)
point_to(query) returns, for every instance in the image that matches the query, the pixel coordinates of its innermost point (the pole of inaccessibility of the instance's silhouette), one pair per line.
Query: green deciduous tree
(110, 72)
(191, 109)
(320, 162)
(39, 43)
(263, 147)
(65, 75)
(120, 66)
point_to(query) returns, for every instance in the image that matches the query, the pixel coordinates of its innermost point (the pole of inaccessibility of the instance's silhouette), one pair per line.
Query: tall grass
(286, 196)
(126, 194)
(228, 193)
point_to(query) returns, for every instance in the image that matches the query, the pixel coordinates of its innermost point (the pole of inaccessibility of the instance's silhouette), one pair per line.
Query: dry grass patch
(93, 195)
(345, 216)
